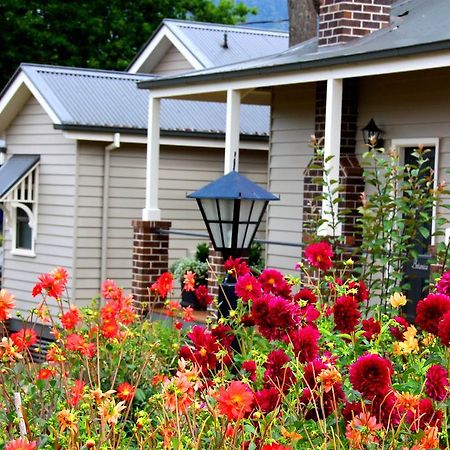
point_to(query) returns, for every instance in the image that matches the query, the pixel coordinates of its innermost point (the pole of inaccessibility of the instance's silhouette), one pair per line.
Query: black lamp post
(232, 208)
(371, 131)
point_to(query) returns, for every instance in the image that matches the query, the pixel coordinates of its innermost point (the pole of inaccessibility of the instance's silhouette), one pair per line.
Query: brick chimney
(342, 21)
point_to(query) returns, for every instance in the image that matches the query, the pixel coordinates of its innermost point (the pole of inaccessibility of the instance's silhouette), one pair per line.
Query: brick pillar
(150, 259)
(350, 173)
(216, 271)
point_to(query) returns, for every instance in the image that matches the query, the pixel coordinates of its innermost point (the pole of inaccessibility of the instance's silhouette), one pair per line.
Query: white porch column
(332, 152)
(232, 132)
(151, 210)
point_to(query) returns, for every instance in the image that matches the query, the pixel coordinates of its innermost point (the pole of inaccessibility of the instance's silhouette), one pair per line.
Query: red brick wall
(216, 271)
(150, 259)
(342, 21)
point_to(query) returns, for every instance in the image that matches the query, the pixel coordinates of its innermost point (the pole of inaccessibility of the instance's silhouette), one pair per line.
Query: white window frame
(401, 144)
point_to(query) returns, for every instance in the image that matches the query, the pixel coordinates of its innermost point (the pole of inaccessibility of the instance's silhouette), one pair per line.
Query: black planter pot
(227, 296)
(188, 298)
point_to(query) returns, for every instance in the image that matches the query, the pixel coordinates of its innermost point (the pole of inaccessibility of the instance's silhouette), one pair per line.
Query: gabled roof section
(14, 171)
(202, 44)
(86, 99)
(417, 26)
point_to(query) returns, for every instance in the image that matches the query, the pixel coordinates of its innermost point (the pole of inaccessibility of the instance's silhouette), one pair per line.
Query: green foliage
(202, 252)
(255, 258)
(180, 267)
(101, 34)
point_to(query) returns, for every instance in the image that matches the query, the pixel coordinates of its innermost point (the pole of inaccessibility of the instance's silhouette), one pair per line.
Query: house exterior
(75, 170)
(369, 60)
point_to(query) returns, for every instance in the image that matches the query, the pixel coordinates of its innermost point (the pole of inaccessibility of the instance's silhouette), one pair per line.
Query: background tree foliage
(104, 34)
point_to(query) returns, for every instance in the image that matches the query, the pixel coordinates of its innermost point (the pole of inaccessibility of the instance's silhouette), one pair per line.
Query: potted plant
(192, 274)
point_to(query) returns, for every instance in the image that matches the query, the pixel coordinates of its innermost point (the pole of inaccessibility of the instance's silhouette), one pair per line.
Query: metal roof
(416, 26)
(205, 41)
(14, 170)
(107, 99)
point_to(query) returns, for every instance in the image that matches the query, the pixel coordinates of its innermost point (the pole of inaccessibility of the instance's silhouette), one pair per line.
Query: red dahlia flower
(71, 318)
(268, 399)
(371, 375)
(250, 368)
(273, 282)
(276, 374)
(424, 415)
(24, 338)
(202, 295)
(430, 311)
(401, 325)
(305, 342)
(443, 286)
(346, 314)
(126, 391)
(51, 285)
(306, 295)
(275, 446)
(7, 303)
(45, 374)
(109, 289)
(444, 329)
(163, 285)
(236, 267)
(319, 255)
(359, 290)
(275, 316)
(371, 327)
(436, 384)
(248, 287)
(235, 400)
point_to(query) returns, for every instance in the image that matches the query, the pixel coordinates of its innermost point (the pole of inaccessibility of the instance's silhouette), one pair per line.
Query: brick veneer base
(215, 272)
(150, 259)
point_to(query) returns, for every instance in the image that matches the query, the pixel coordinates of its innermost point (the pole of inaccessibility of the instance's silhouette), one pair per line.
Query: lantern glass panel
(210, 208)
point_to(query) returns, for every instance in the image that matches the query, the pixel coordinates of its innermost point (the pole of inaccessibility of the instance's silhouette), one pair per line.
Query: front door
(417, 272)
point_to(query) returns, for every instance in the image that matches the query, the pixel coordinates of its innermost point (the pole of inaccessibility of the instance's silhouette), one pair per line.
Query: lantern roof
(233, 186)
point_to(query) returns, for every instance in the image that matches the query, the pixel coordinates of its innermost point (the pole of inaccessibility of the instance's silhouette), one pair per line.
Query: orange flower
(75, 393)
(67, 421)
(110, 412)
(408, 401)
(171, 307)
(189, 281)
(43, 313)
(45, 373)
(6, 304)
(60, 275)
(8, 350)
(126, 391)
(235, 400)
(430, 439)
(55, 354)
(188, 315)
(362, 430)
(163, 285)
(328, 378)
(178, 393)
(21, 444)
(110, 289)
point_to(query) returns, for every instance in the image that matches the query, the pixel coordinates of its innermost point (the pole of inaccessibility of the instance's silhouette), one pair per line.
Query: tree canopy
(104, 34)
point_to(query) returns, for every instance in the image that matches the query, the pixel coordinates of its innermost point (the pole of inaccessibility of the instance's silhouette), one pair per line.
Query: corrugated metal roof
(414, 25)
(206, 41)
(97, 98)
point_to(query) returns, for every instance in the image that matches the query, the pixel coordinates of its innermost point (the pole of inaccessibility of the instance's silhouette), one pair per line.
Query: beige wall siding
(32, 132)
(172, 62)
(89, 220)
(412, 105)
(292, 124)
(182, 170)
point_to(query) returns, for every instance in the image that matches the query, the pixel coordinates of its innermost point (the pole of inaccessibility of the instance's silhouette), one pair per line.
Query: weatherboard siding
(32, 132)
(292, 124)
(172, 62)
(89, 220)
(182, 170)
(411, 105)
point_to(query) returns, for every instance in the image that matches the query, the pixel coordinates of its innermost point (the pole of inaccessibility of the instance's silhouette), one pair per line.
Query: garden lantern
(232, 208)
(370, 131)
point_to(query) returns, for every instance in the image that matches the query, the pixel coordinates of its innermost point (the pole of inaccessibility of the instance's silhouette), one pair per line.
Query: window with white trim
(18, 197)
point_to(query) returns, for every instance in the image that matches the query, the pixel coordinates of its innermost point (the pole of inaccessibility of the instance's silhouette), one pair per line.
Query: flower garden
(303, 362)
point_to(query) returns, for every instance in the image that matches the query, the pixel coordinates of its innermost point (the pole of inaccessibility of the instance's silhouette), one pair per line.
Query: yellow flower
(397, 299)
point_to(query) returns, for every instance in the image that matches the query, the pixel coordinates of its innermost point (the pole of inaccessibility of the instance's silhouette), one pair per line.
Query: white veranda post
(151, 210)
(332, 150)
(232, 131)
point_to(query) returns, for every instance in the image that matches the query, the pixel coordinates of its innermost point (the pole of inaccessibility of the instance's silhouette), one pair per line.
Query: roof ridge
(238, 28)
(90, 71)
